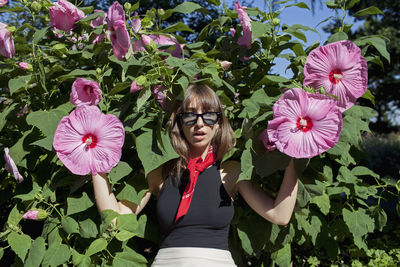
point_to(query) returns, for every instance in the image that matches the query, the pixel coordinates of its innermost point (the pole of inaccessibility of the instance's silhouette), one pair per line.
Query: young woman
(195, 192)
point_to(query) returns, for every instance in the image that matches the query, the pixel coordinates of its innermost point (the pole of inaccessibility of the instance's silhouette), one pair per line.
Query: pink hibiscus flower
(63, 15)
(85, 92)
(118, 35)
(88, 141)
(6, 42)
(341, 69)
(245, 21)
(304, 125)
(11, 167)
(3, 2)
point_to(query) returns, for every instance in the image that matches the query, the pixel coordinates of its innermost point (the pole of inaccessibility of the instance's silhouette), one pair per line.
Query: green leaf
(339, 36)
(322, 202)
(119, 172)
(129, 258)
(119, 87)
(259, 29)
(303, 197)
(372, 10)
(151, 153)
(351, 4)
(368, 95)
(271, 162)
(276, 78)
(144, 95)
(69, 225)
(377, 42)
(80, 260)
(88, 229)
(359, 224)
(17, 151)
(108, 216)
(46, 121)
(187, 7)
(5, 113)
(92, 17)
(282, 257)
(20, 243)
(36, 253)
(300, 5)
(40, 34)
(14, 217)
(56, 255)
(96, 246)
(76, 205)
(246, 162)
(127, 222)
(129, 193)
(380, 217)
(124, 235)
(179, 26)
(17, 83)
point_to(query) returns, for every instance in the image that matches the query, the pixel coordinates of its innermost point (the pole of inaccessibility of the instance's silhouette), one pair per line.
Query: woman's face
(200, 134)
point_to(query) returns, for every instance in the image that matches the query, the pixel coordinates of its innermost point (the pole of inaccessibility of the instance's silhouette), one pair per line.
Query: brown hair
(223, 141)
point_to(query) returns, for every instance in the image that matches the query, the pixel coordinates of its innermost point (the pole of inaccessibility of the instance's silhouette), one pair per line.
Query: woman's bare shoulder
(155, 180)
(230, 171)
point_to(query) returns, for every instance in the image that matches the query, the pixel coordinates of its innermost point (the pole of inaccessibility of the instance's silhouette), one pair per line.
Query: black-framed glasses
(190, 118)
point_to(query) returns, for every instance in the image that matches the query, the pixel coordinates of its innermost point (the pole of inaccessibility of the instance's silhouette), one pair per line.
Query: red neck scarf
(195, 166)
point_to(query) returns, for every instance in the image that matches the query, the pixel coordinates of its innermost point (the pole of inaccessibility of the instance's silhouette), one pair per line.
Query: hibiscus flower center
(90, 140)
(335, 76)
(88, 89)
(304, 124)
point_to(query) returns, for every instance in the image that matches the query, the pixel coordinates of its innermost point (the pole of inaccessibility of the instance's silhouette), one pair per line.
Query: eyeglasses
(190, 118)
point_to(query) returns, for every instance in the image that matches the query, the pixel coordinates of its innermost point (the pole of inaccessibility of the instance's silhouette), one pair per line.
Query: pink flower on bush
(6, 42)
(23, 65)
(139, 45)
(64, 15)
(85, 92)
(233, 31)
(136, 24)
(341, 69)
(264, 138)
(245, 21)
(3, 3)
(99, 21)
(226, 64)
(35, 215)
(304, 125)
(11, 167)
(162, 96)
(135, 87)
(118, 35)
(88, 141)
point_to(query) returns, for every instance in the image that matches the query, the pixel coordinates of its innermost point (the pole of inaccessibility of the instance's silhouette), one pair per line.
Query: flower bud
(25, 66)
(275, 21)
(36, 6)
(127, 6)
(226, 64)
(161, 12)
(135, 87)
(36, 215)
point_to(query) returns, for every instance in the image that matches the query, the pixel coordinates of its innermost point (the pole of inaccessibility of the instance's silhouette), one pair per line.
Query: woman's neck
(199, 152)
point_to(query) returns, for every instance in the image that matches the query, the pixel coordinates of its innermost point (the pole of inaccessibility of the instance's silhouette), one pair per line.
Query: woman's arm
(278, 210)
(106, 200)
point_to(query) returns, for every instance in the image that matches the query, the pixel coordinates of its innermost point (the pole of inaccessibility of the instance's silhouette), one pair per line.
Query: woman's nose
(199, 121)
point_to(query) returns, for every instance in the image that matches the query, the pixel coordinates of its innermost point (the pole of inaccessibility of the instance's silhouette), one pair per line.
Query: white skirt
(193, 257)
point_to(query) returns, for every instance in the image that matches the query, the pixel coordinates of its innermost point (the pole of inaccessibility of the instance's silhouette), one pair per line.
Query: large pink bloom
(63, 15)
(304, 125)
(88, 141)
(118, 35)
(341, 69)
(159, 39)
(85, 92)
(11, 167)
(6, 42)
(3, 2)
(245, 21)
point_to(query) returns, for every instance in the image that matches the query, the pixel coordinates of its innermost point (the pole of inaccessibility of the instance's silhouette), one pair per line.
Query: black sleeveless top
(206, 224)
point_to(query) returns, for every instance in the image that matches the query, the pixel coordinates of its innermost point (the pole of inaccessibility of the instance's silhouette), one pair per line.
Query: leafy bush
(332, 215)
